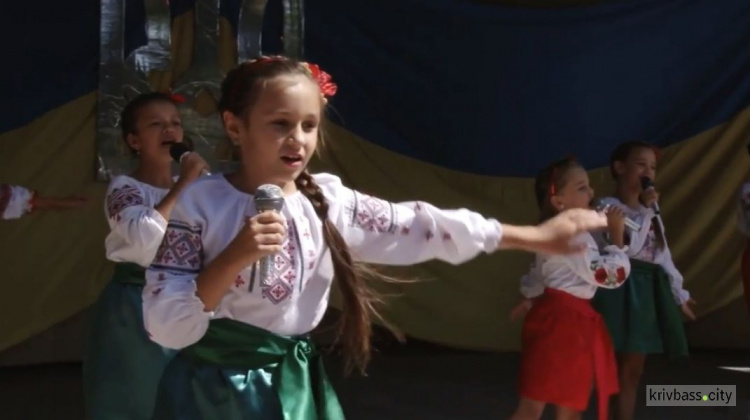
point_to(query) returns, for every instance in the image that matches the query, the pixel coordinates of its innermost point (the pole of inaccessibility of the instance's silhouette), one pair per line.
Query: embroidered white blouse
(210, 214)
(642, 245)
(578, 274)
(743, 210)
(137, 229)
(15, 201)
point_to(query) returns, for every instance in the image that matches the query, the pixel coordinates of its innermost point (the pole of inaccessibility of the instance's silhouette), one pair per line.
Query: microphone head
(646, 183)
(268, 197)
(176, 150)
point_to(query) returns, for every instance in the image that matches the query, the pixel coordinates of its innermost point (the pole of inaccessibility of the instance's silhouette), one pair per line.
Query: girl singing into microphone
(566, 350)
(245, 350)
(643, 316)
(122, 366)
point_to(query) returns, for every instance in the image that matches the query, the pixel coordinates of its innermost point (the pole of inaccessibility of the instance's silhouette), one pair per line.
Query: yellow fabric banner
(54, 266)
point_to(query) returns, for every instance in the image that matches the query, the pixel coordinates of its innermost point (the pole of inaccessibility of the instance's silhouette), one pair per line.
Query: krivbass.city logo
(691, 395)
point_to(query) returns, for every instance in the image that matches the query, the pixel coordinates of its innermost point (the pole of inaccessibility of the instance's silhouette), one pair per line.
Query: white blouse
(743, 210)
(293, 300)
(642, 245)
(137, 229)
(15, 201)
(578, 274)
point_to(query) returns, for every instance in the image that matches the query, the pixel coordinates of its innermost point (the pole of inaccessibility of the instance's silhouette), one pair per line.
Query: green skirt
(641, 315)
(240, 372)
(122, 366)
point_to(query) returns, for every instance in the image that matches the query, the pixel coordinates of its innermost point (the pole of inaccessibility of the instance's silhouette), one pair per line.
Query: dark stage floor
(415, 381)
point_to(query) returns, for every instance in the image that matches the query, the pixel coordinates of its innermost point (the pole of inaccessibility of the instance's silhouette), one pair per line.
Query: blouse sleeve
(15, 201)
(381, 232)
(532, 284)
(607, 268)
(664, 259)
(173, 315)
(136, 229)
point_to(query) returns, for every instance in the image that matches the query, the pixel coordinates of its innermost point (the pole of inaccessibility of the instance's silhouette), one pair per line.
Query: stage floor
(416, 381)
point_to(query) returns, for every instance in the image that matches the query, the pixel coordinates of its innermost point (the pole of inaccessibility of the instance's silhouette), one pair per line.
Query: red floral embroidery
(429, 235)
(620, 274)
(447, 237)
(600, 275)
(239, 281)
(156, 291)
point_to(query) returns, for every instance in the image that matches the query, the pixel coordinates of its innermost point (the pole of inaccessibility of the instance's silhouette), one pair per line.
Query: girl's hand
(262, 235)
(553, 236)
(686, 309)
(649, 197)
(192, 165)
(616, 225)
(521, 309)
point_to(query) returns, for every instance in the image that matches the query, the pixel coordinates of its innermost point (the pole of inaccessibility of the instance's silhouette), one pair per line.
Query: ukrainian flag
(453, 102)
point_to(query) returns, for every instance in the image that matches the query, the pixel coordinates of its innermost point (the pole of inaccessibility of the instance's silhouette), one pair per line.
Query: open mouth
(292, 160)
(168, 142)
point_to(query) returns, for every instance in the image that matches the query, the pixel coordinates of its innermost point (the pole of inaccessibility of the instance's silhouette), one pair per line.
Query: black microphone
(178, 151)
(600, 205)
(268, 197)
(646, 184)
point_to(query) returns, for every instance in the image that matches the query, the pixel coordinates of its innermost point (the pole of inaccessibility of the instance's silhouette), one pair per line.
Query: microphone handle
(265, 267)
(635, 227)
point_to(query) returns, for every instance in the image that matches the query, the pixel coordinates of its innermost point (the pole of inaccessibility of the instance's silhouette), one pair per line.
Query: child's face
(281, 132)
(640, 163)
(158, 126)
(576, 193)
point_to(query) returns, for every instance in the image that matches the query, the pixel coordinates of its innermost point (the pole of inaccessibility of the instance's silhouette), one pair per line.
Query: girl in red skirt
(566, 350)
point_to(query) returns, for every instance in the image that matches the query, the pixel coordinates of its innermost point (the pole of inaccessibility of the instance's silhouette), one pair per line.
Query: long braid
(240, 90)
(354, 326)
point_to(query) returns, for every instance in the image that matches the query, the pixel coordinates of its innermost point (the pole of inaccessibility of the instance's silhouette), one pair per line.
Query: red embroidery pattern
(181, 249)
(5, 193)
(284, 270)
(239, 281)
(373, 214)
(601, 276)
(122, 198)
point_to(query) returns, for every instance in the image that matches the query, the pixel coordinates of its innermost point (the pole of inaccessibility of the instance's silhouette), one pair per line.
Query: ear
(556, 203)
(133, 141)
(233, 125)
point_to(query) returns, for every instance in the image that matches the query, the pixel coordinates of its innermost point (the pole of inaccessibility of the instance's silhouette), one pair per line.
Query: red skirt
(566, 351)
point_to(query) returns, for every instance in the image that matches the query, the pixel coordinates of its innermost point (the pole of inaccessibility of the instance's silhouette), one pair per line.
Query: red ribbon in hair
(323, 79)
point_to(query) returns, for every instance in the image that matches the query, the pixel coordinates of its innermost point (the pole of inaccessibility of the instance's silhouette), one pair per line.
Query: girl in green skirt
(122, 366)
(643, 316)
(243, 325)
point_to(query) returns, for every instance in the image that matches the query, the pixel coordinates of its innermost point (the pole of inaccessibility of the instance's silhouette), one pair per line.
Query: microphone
(599, 205)
(268, 197)
(178, 151)
(646, 184)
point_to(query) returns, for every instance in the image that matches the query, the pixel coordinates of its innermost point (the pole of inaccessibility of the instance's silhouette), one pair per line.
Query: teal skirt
(122, 366)
(641, 315)
(240, 372)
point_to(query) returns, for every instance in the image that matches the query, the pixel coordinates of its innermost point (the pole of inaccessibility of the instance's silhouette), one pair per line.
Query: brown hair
(549, 181)
(239, 92)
